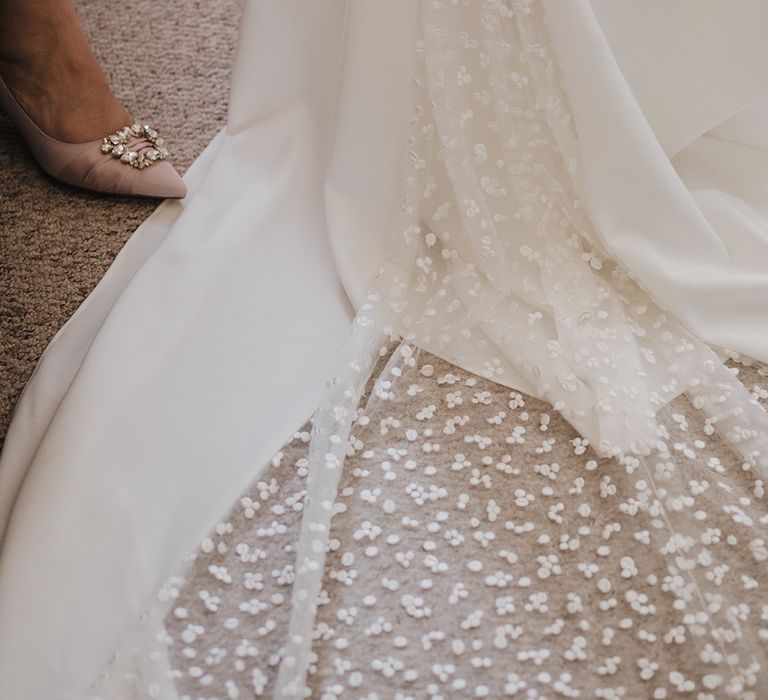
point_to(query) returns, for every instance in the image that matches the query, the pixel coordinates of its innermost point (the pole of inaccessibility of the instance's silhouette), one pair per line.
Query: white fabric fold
(647, 80)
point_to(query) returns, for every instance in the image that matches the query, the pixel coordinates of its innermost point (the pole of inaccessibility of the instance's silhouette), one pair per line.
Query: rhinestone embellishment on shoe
(117, 145)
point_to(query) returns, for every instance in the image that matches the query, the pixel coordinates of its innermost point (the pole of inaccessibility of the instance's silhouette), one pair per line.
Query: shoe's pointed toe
(160, 180)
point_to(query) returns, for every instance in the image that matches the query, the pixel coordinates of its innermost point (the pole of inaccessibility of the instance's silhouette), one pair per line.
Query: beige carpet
(168, 63)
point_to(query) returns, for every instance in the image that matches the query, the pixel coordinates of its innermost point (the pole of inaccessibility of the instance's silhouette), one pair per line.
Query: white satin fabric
(685, 84)
(208, 341)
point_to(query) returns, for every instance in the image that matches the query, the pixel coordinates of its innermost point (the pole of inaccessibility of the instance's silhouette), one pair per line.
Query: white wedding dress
(580, 213)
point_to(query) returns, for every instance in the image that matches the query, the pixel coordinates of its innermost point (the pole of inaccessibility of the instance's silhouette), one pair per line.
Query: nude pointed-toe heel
(132, 161)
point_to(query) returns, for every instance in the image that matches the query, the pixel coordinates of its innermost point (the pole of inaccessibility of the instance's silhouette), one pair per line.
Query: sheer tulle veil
(495, 264)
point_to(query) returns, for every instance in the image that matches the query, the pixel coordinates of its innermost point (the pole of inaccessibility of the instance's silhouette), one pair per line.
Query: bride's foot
(48, 65)
(58, 97)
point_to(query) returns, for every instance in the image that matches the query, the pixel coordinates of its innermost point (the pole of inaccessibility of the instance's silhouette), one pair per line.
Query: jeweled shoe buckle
(117, 146)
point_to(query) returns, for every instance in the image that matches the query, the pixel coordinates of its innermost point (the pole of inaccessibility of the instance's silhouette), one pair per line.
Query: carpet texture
(167, 64)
